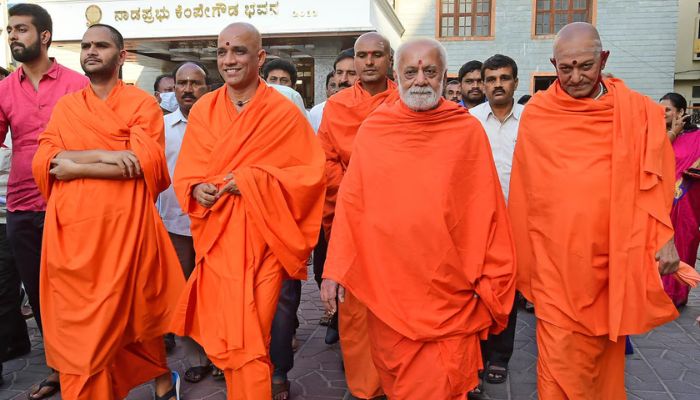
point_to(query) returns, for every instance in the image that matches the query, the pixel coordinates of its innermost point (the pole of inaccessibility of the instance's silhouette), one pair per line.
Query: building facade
(687, 74)
(640, 34)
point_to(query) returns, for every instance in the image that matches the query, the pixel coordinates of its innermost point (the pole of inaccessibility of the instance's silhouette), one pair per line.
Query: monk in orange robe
(109, 275)
(342, 116)
(590, 200)
(250, 176)
(421, 236)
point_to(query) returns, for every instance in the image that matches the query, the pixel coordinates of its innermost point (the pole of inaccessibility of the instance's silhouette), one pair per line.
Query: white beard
(420, 98)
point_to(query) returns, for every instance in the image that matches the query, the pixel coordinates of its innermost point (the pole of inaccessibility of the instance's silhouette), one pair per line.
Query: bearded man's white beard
(420, 98)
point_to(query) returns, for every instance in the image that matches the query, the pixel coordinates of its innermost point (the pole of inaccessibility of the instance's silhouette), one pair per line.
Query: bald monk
(250, 176)
(421, 236)
(342, 116)
(109, 274)
(590, 199)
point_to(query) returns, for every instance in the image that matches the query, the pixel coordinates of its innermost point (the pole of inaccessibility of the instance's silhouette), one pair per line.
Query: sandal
(477, 392)
(496, 374)
(280, 391)
(54, 387)
(174, 391)
(196, 374)
(217, 374)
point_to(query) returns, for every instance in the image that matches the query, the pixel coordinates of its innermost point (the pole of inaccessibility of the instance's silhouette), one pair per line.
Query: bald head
(577, 36)
(579, 59)
(421, 69)
(372, 58)
(239, 55)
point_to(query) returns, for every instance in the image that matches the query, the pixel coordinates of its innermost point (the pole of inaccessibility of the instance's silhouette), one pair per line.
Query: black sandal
(217, 374)
(196, 374)
(477, 392)
(280, 389)
(54, 386)
(496, 374)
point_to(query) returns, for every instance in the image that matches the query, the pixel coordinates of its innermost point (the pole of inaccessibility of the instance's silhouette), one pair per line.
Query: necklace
(241, 103)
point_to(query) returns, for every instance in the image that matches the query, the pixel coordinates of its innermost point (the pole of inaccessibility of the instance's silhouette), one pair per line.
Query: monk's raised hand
(64, 169)
(229, 187)
(205, 194)
(668, 258)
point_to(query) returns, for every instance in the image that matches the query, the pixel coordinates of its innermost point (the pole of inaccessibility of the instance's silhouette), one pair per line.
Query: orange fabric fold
(342, 116)
(687, 275)
(269, 229)
(421, 234)
(590, 200)
(109, 273)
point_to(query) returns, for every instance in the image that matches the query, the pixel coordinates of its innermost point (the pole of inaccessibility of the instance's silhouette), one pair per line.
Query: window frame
(492, 22)
(593, 11)
(539, 74)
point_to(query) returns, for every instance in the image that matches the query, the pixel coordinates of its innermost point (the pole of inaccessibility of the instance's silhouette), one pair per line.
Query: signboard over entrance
(140, 19)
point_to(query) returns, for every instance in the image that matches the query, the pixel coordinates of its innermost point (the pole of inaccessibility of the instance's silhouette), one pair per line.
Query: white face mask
(168, 101)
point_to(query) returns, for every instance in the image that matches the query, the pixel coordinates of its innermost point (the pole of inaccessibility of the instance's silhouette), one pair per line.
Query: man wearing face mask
(28, 97)
(500, 116)
(164, 92)
(421, 235)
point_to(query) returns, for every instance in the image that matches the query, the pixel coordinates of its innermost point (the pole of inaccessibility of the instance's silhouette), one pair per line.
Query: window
(696, 92)
(552, 15)
(696, 41)
(464, 18)
(542, 82)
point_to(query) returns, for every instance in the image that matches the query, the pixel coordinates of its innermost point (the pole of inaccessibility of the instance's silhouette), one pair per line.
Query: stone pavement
(666, 363)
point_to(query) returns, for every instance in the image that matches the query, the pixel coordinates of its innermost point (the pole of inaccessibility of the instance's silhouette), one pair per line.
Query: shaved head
(243, 30)
(239, 56)
(373, 60)
(579, 59)
(373, 37)
(577, 36)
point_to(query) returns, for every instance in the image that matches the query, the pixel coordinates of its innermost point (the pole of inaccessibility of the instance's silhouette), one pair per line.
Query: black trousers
(498, 349)
(24, 232)
(13, 329)
(320, 257)
(283, 327)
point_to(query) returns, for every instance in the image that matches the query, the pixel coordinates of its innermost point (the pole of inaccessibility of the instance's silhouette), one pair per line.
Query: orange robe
(590, 200)
(109, 274)
(421, 237)
(245, 245)
(342, 117)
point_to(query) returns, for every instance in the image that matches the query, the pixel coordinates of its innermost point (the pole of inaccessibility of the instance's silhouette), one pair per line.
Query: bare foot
(48, 387)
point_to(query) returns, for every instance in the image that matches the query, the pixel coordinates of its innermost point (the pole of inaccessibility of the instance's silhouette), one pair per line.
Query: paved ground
(666, 363)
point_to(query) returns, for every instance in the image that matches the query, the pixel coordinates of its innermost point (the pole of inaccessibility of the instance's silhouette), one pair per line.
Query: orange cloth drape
(342, 117)
(109, 274)
(244, 244)
(421, 234)
(590, 202)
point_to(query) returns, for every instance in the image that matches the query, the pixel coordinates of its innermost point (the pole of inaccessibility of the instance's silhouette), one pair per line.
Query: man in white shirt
(191, 83)
(317, 111)
(500, 117)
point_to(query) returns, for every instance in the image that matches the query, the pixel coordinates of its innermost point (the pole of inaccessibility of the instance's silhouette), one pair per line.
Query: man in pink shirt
(28, 97)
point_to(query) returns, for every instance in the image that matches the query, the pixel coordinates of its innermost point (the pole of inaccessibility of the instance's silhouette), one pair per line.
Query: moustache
(189, 96)
(499, 91)
(344, 84)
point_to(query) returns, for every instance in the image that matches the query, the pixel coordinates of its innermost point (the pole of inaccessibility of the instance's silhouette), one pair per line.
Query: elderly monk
(421, 236)
(342, 117)
(101, 165)
(590, 199)
(250, 176)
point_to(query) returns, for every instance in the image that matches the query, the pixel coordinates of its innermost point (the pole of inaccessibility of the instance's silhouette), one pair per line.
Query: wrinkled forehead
(420, 55)
(580, 48)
